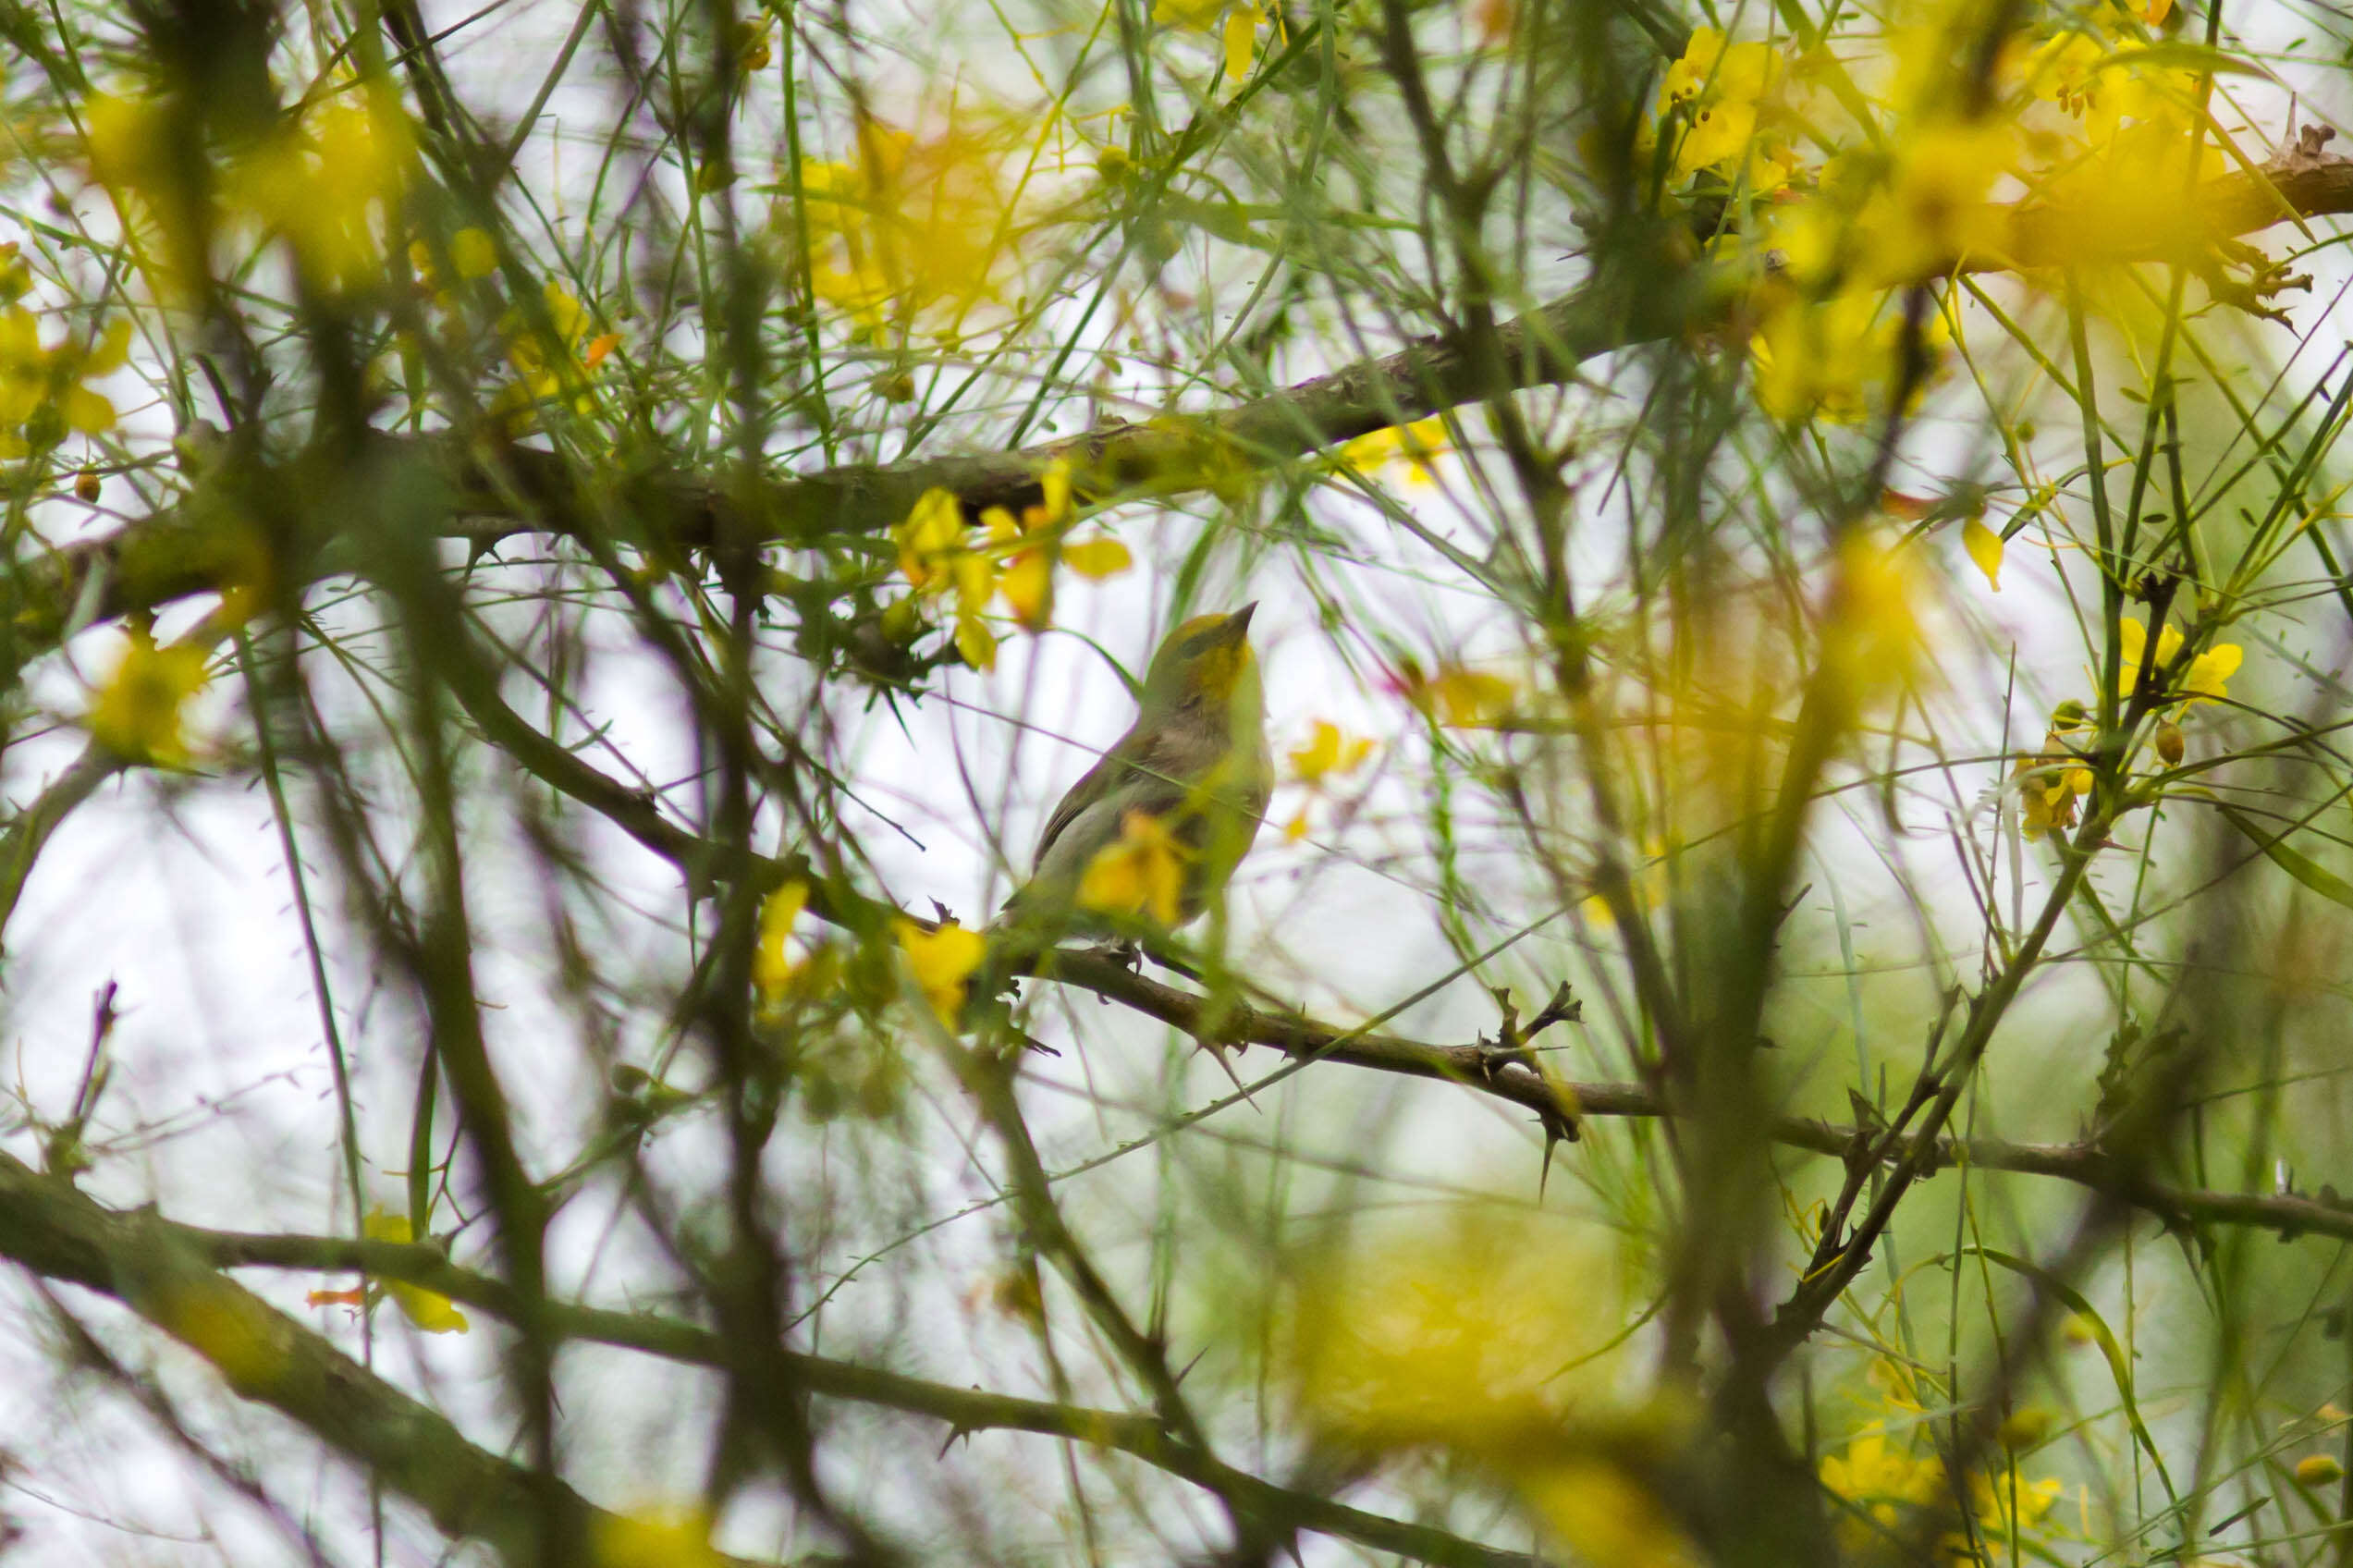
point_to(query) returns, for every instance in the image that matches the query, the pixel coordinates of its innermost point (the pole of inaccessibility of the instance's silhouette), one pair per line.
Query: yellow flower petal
(1194, 14)
(1241, 42)
(1097, 558)
(1985, 547)
(1028, 585)
(935, 527)
(772, 969)
(975, 643)
(135, 715)
(941, 961)
(1140, 874)
(428, 1310)
(474, 253)
(1327, 751)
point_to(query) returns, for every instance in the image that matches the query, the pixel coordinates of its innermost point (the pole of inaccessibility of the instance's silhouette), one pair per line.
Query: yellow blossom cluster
(909, 228)
(2050, 782)
(137, 713)
(327, 181)
(553, 361)
(1015, 558)
(1140, 874)
(1892, 1488)
(1237, 31)
(44, 389)
(1331, 753)
(1883, 168)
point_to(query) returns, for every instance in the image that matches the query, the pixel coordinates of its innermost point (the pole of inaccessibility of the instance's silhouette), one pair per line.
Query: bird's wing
(1146, 761)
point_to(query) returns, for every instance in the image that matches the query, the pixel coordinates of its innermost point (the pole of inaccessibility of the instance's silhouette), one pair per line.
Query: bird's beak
(1238, 623)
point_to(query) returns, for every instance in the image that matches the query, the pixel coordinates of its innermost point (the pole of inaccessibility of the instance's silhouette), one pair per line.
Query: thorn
(1219, 1051)
(1186, 1370)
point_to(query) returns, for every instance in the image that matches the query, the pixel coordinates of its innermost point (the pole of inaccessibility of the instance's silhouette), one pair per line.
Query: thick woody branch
(168, 1273)
(497, 490)
(1505, 1073)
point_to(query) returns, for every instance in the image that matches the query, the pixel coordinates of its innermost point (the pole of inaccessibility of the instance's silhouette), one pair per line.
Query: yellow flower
(911, 225)
(638, 1540)
(427, 1309)
(1328, 751)
(1140, 873)
(1610, 1518)
(772, 968)
(1718, 88)
(1015, 559)
(44, 392)
(327, 183)
(933, 529)
(1194, 14)
(941, 961)
(2050, 782)
(1417, 443)
(2208, 679)
(1460, 696)
(1933, 210)
(135, 715)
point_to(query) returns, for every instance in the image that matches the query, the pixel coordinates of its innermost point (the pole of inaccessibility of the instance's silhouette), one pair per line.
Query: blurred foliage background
(1786, 1006)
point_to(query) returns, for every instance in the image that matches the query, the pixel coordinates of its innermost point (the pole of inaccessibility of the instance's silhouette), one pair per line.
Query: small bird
(1155, 830)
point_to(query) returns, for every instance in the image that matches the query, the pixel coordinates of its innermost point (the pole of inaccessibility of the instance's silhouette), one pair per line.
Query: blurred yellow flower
(1883, 1481)
(1328, 751)
(551, 356)
(135, 715)
(1608, 1517)
(1871, 633)
(44, 392)
(772, 967)
(1241, 41)
(328, 185)
(1933, 210)
(941, 961)
(427, 1309)
(909, 226)
(650, 1540)
(1418, 443)
(1199, 15)
(1140, 873)
(1459, 696)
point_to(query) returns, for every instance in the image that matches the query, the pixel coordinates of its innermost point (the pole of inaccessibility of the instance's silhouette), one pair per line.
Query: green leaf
(2326, 883)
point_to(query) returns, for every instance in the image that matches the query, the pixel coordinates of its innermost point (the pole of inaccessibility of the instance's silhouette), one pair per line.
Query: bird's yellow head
(1201, 661)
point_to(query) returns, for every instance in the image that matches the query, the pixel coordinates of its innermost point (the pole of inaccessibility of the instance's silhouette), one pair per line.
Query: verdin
(1155, 830)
